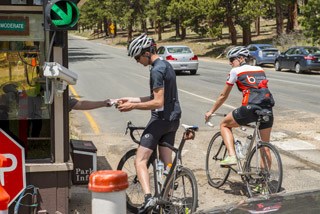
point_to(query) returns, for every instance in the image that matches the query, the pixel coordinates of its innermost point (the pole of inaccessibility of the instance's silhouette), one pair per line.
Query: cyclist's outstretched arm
(221, 99)
(135, 99)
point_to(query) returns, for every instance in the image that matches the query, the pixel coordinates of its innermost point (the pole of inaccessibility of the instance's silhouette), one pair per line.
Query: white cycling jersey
(246, 76)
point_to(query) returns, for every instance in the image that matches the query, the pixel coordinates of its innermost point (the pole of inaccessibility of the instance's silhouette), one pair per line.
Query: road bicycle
(260, 167)
(176, 192)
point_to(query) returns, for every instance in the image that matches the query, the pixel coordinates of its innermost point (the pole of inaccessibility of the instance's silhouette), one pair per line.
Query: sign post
(12, 173)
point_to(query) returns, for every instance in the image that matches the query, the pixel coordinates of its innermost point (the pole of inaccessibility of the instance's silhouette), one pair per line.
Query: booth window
(23, 112)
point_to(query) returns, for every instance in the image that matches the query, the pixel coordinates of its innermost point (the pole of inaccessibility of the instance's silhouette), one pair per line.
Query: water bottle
(246, 145)
(167, 170)
(160, 170)
(238, 147)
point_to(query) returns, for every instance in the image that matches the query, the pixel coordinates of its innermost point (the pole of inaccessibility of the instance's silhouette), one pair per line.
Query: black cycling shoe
(148, 205)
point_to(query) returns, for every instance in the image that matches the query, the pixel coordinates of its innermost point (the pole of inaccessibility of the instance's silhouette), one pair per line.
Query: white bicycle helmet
(238, 51)
(138, 44)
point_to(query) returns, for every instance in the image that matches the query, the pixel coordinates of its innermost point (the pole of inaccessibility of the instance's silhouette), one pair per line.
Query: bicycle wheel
(217, 151)
(265, 166)
(181, 192)
(135, 195)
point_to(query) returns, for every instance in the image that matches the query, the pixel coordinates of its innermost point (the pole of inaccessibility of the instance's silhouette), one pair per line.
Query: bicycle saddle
(186, 127)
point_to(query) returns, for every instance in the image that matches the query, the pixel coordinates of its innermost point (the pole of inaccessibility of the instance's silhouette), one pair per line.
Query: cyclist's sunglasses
(137, 58)
(232, 59)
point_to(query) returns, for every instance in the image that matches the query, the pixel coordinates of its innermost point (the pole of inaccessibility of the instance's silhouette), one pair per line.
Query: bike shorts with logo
(159, 130)
(246, 114)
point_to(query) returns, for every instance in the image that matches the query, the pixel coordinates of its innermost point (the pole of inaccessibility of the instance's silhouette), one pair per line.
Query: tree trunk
(246, 34)
(159, 23)
(183, 32)
(115, 28)
(177, 23)
(292, 16)
(159, 30)
(231, 27)
(279, 17)
(151, 21)
(144, 26)
(257, 26)
(100, 26)
(106, 26)
(130, 31)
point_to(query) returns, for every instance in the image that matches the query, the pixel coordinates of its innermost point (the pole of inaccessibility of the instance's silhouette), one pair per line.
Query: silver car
(180, 57)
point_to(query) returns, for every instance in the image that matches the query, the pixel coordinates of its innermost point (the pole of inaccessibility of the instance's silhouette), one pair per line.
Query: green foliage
(248, 11)
(179, 10)
(311, 20)
(207, 18)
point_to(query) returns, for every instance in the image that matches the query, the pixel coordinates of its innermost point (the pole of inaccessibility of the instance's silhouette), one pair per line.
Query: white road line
(295, 83)
(207, 99)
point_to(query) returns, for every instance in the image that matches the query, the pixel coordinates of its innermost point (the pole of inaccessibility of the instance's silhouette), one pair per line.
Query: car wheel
(193, 72)
(277, 66)
(297, 68)
(177, 72)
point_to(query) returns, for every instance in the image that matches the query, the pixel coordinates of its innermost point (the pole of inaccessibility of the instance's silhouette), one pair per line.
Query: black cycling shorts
(159, 131)
(246, 114)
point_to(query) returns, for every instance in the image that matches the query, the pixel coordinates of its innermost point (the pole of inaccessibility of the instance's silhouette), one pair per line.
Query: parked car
(181, 58)
(262, 54)
(293, 203)
(299, 59)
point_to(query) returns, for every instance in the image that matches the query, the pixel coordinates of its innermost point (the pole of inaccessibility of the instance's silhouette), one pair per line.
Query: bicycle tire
(134, 193)
(216, 152)
(181, 192)
(269, 179)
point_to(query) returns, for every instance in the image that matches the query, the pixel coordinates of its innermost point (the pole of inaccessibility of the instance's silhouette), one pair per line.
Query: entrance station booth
(30, 111)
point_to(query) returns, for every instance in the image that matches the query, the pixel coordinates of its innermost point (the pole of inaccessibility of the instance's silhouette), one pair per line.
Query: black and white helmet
(138, 44)
(238, 51)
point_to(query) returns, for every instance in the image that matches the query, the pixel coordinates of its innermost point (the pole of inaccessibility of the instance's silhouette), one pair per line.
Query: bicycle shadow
(236, 188)
(240, 189)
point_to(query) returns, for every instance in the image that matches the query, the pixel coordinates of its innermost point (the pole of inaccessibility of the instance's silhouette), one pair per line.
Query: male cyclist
(247, 78)
(165, 111)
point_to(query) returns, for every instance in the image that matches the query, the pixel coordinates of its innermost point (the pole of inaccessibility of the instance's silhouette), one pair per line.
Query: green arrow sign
(62, 14)
(66, 18)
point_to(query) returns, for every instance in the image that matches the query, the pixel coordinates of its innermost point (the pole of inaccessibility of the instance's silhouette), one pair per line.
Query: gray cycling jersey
(162, 75)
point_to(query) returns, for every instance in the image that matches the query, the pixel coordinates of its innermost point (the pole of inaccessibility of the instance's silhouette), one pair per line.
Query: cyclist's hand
(111, 102)
(207, 116)
(126, 106)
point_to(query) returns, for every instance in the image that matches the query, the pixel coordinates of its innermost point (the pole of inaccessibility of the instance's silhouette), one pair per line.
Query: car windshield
(312, 50)
(265, 47)
(179, 50)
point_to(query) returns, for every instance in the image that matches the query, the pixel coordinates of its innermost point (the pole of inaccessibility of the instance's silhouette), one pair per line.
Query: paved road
(107, 72)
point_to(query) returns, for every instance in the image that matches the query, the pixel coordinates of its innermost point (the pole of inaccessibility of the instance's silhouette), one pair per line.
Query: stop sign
(12, 174)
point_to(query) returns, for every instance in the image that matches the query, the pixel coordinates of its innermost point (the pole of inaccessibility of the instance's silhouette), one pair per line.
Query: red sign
(12, 174)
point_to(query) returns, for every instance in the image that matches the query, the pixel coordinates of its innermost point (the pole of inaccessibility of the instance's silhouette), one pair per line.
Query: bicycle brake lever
(209, 124)
(129, 123)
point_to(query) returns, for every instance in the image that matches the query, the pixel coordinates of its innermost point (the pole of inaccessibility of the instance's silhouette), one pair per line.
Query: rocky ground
(287, 127)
